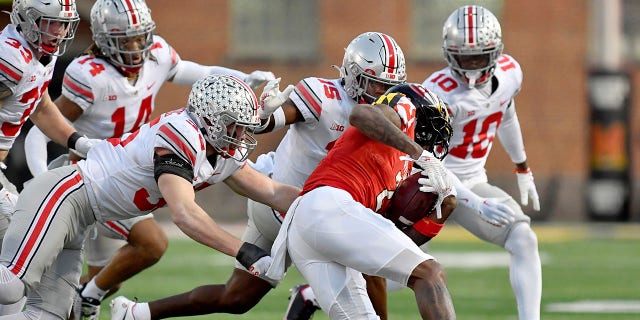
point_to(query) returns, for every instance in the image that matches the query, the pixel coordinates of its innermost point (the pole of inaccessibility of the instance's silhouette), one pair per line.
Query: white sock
(7, 309)
(91, 290)
(307, 294)
(525, 271)
(141, 311)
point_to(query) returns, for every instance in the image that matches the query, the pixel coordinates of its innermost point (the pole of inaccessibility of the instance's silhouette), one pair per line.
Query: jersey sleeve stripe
(178, 142)
(45, 215)
(10, 72)
(309, 98)
(77, 88)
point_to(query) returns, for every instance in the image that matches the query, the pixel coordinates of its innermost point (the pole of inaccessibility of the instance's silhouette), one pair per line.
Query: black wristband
(73, 138)
(249, 253)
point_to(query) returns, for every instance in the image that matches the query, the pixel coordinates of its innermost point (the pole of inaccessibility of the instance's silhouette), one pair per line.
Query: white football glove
(272, 98)
(257, 78)
(83, 145)
(494, 211)
(437, 179)
(256, 260)
(528, 189)
(8, 202)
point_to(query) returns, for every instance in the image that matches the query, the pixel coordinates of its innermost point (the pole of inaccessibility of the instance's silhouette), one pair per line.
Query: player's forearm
(372, 122)
(201, 228)
(51, 122)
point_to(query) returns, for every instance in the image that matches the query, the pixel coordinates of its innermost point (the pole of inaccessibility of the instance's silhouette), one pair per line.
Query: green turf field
(597, 262)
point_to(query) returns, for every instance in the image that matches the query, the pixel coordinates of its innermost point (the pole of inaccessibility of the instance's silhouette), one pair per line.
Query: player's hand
(436, 179)
(83, 145)
(272, 98)
(256, 260)
(495, 212)
(8, 202)
(528, 189)
(257, 78)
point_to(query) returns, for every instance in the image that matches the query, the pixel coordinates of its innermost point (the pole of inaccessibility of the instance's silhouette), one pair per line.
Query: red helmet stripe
(471, 24)
(390, 51)
(132, 12)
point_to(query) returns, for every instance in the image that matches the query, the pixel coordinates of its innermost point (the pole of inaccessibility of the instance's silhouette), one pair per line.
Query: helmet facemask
(433, 124)
(225, 110)
(472, 34)
(48, 28)
(124, 33)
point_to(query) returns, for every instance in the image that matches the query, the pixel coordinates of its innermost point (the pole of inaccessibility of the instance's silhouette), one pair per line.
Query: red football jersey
(369, 170)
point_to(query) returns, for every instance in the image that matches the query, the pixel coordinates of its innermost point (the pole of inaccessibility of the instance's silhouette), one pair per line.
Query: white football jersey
(119, 173)
(111, 105)
(475, 117)
(326, 108)
(27, 78)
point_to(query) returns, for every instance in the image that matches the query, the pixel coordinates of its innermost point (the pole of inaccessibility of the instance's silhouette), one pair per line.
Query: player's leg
(54, 295)
(56, 210)
(330, 231)
(239, 294)
(525, 271)
(113, 261)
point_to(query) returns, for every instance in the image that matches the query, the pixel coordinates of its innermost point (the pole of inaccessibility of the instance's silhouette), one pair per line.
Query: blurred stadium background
(578, 108)
(560, 44)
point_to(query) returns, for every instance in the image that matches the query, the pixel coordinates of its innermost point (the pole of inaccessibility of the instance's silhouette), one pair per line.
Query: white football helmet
(372, 56)
(37, 18)
(472, 33)
(114, 20)
(224, 107)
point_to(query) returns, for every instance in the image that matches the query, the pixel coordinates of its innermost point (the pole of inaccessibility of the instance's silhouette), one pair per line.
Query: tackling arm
(250, 183)
(191, 218)
(48, 118)
(189, 72)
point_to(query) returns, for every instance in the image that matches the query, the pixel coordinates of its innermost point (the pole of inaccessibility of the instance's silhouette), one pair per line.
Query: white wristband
(278, 119)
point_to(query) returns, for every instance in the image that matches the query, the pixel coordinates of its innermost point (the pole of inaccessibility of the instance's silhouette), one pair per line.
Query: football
(409, 204)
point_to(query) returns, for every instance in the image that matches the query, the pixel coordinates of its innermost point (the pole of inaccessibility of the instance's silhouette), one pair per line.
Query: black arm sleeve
(173, 164)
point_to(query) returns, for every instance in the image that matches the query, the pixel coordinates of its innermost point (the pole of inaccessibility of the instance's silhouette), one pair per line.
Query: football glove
(256, 260)
(436, 178)
(83, 145)
(528, 189)
(272, 98)
(495, 212)
(257, 78)
(8, 202)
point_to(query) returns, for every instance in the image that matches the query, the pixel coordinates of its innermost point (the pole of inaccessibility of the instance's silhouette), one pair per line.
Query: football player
(161, 163)
(39, 32)
(108, 91)
(318, 110)
(335, 220)
(479, 86)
